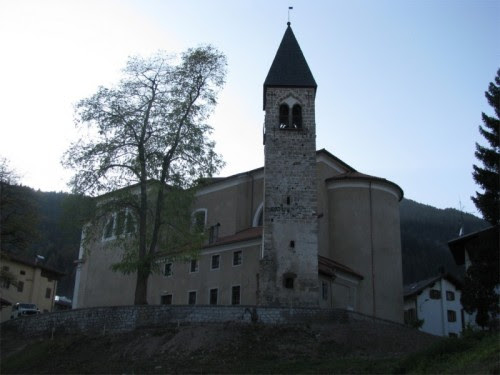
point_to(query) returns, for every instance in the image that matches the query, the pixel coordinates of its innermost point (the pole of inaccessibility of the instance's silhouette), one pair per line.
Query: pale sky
(400, 83)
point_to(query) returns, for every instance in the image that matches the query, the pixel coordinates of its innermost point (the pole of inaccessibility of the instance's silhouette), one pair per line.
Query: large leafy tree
(488, 176)
(149, 133)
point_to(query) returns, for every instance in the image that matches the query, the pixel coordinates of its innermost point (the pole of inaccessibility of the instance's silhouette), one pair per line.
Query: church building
(305, 230)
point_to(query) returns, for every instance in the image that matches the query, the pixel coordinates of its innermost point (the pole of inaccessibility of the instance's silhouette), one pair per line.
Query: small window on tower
(297, 117)
(284, 116)
(289, 280)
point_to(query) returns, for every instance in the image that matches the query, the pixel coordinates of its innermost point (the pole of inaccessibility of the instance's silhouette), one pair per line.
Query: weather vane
(289, 8)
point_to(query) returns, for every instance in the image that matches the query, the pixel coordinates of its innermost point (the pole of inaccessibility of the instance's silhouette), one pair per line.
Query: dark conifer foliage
(479, 293)
(488, 176)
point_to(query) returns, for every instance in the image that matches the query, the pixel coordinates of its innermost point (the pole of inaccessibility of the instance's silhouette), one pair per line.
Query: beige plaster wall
(232, 206)
(99, 285)
(324, 172)
(224, 278)
(365, 235)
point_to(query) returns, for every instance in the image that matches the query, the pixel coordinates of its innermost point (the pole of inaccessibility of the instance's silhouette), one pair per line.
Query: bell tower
(288, 274)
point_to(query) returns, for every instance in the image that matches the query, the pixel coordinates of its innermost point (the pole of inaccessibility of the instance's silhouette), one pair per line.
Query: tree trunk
(141, 288)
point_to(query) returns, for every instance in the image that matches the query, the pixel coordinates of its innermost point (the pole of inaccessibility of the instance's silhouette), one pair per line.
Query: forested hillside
(61, 217)
(47, 224)
(425, 232)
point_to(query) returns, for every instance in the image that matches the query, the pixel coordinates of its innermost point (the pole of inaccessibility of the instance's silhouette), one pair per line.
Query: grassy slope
(477, 353)
(261, 350)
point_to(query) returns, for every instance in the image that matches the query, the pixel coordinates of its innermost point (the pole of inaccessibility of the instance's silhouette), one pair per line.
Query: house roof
(473, 241)
(289, 67)
(354, 175)
(32, 263)
(417, 287)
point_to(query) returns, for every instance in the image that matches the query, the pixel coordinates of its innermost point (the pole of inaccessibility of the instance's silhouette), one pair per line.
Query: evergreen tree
(482, 276)
(488, 177)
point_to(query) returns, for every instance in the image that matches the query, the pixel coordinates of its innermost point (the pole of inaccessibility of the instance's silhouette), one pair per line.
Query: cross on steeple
(289, 8)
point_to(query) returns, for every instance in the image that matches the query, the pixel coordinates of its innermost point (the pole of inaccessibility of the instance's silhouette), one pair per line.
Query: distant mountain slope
(425, 232)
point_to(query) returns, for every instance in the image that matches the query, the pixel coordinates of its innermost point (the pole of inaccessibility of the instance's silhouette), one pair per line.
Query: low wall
(129, 318)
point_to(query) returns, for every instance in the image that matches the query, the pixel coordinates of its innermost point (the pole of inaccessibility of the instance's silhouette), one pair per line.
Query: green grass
(477, 353)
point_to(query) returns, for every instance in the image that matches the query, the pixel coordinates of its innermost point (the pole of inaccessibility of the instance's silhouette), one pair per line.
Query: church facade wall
(364, 233)
(206, 280)
(232, 204)
(98, 284)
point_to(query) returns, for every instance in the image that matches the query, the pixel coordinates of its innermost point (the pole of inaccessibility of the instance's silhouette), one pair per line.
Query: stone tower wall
(290, 247)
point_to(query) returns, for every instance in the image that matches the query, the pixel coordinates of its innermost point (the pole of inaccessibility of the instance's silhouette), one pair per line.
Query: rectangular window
(192, 298)
(167, 271)
(193, 266)
(22, 272)
(130, 223)
(215, 261)
(20, 286)
(235, 295)
(324, 290)
(452, 316)
(435, 294)
(6, 283)
(108, 228)
(214, 294)
(237, 258)
(450, 296)
(213, 234)
(48, 293)
(120, 223)
(199, 220)
(166, 299)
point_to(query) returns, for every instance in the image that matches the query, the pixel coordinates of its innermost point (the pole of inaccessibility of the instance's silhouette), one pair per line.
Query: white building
(436, 302)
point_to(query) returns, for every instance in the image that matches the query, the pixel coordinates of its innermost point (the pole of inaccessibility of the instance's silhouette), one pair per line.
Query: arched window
(284, 116)
(199, 219)
(297, 116)
(258, 217)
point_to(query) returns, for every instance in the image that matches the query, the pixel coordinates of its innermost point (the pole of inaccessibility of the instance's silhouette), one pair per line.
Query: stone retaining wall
(129, 318)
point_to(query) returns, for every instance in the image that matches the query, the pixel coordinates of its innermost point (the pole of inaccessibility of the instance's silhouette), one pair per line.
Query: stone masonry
(290, 248)
(116, 319)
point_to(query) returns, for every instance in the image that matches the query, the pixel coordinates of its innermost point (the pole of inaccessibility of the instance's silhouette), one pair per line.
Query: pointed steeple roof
(289, 68)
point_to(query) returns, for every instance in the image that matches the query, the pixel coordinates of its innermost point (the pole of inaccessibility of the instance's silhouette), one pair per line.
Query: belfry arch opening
(290, 115)
(284, 116)
(297, 116)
